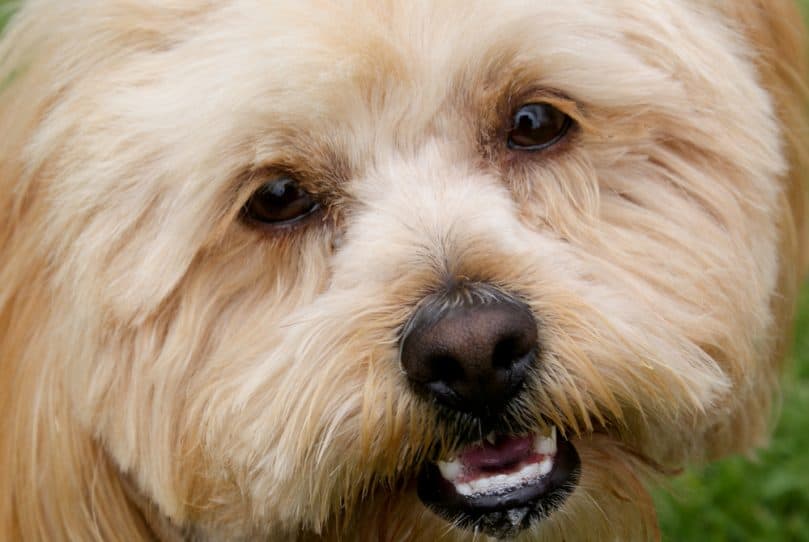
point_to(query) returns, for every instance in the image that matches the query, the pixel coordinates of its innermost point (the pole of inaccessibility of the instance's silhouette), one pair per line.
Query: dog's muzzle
(471, 350)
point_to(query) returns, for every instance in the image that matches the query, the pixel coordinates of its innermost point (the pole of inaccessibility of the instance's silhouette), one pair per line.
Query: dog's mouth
(503, 484)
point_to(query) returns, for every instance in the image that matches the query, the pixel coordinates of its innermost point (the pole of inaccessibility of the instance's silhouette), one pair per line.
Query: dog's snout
(473, 355)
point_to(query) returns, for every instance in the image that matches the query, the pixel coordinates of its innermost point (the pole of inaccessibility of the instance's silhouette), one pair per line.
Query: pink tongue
(505, 451)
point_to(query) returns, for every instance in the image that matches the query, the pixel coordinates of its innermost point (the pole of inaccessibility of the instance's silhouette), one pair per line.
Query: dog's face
(412, 267)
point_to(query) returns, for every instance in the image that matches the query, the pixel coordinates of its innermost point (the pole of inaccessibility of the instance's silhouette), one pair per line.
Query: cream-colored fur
(167, 372)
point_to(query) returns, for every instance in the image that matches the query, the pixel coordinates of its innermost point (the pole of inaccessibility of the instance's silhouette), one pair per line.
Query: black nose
(472, 355)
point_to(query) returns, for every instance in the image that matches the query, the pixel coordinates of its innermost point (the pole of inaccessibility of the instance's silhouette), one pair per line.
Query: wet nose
(474, 356)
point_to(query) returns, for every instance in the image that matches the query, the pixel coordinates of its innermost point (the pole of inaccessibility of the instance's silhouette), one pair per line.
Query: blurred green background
(739, 500)
(5, 10)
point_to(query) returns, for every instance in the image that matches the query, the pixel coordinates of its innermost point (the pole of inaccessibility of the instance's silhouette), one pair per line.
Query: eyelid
(565, 105)
(561, 101)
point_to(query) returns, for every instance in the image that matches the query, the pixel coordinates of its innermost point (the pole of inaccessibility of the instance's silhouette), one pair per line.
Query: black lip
(494, 514)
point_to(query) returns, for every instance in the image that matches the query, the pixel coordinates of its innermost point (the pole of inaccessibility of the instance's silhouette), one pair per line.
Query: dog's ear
(55, 482)
(776, 30)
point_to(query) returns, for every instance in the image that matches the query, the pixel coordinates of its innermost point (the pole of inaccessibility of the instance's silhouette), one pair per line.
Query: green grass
(737, 500)
(5, 12)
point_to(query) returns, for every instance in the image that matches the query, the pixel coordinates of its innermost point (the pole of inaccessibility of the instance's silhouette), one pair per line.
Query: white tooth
(546, 445)
(464, 489)
(491, 438)
(481, 485)
(546, 466)
(503, 480)
(450, 470)
(523, 473)
(539, 442)
(530, 472)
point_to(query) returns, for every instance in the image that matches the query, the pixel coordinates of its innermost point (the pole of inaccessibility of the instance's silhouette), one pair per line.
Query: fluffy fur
(167, 372)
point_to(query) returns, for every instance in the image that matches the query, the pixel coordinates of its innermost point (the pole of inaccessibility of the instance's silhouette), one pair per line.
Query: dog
(389, 270)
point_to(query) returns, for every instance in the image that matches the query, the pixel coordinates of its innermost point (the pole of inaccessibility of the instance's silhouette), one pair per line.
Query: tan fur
(168, 373)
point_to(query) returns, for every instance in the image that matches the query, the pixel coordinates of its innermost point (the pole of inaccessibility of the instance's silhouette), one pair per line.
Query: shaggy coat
(168, 371)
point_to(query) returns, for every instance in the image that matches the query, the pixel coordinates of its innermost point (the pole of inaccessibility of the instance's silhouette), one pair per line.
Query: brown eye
(537, 126)
(279, 202)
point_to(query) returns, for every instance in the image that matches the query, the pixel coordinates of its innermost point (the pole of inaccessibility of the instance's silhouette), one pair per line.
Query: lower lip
(509, 511)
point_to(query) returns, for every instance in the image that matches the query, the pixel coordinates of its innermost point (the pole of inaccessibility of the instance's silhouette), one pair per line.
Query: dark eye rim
(315, 211)
(568, 124)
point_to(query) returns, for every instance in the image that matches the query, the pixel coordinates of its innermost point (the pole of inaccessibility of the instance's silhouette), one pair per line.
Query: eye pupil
(279, 202)
(282, 189)
(537, 126)
(526, 121)
(282, 192)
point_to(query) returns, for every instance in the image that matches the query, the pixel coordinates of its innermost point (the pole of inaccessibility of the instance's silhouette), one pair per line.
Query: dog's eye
(537, 126)
(279, 202)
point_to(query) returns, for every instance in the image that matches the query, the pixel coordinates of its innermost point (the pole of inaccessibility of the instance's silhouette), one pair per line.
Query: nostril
(510, 350)
(445, 369)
